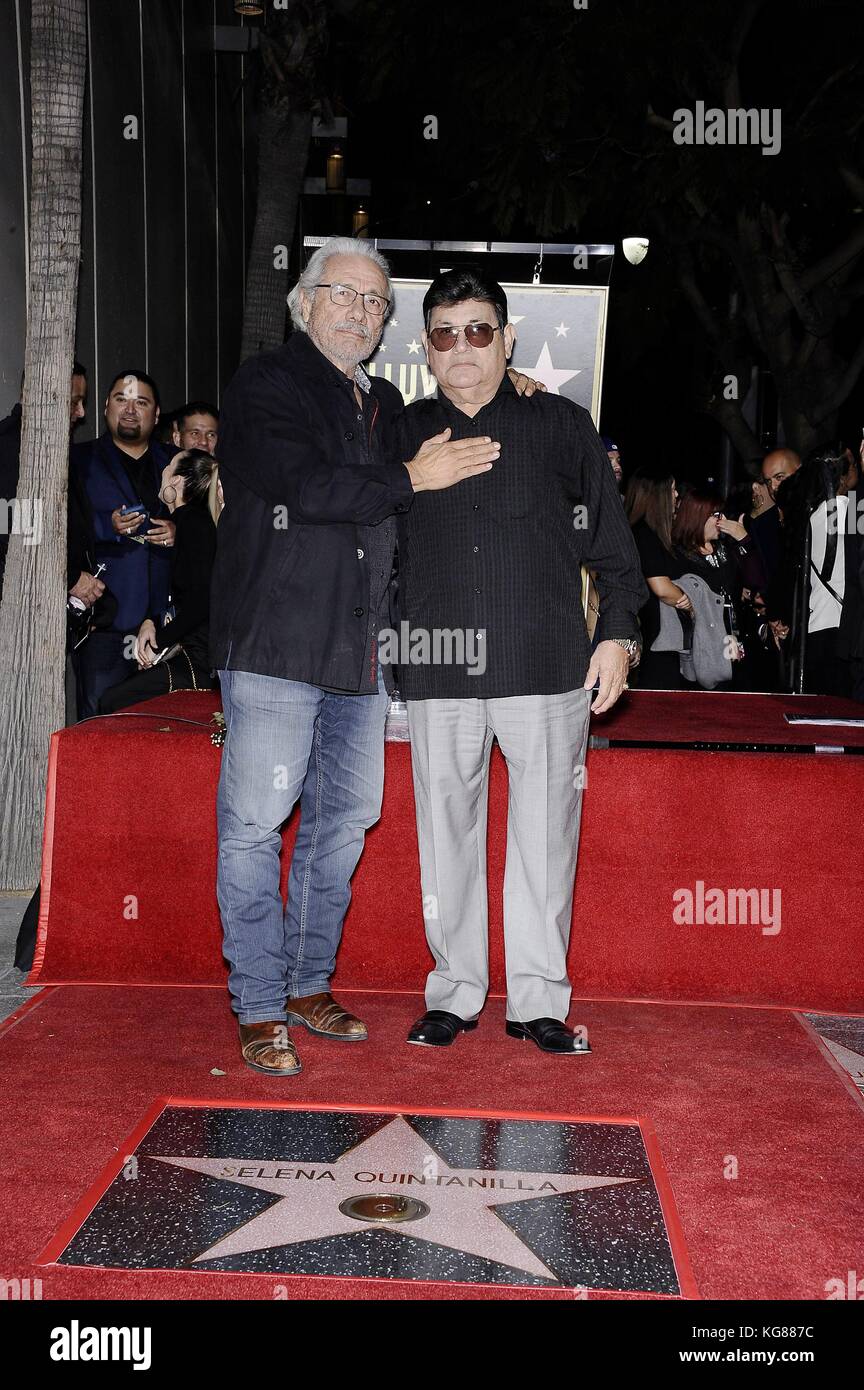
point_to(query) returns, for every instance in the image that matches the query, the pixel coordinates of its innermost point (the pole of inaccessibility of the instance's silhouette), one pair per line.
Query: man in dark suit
(498, 562)
(120, 473)
(301, 585)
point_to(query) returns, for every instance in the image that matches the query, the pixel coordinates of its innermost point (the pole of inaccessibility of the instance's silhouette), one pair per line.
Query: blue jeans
(287, 740)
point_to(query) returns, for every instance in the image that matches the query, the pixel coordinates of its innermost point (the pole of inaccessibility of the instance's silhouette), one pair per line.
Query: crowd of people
(779, 563)
(761, 591)
(144, 498)
(335, 514)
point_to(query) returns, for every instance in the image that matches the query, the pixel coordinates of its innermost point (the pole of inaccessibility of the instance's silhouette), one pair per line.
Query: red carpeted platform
(725, 717)
(726, 1091)
(128, 889)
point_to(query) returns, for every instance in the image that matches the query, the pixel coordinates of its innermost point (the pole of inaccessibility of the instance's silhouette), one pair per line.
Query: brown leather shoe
(322, 1015)
(268, 1047)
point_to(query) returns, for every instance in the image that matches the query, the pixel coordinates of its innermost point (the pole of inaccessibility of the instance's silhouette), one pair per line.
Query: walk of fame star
(285, 1190)
(553, 378)
(462, 1201)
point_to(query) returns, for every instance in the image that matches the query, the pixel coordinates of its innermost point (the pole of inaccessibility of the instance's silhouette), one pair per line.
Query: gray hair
(311, 276)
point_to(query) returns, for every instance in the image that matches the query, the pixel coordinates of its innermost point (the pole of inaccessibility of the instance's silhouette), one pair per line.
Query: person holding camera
(120, 473)
(717, 549)
(171, 648)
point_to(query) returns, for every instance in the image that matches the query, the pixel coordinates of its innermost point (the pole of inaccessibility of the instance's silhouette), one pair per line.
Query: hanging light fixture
(635, 248)
(335, 179)
(360, 221)
(247, 7)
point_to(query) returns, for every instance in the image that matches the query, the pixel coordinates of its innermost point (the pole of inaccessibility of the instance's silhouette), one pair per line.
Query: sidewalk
(12, 990)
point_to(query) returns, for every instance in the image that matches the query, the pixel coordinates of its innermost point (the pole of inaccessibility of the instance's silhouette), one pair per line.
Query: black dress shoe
(438, 1028)
(550, 1035)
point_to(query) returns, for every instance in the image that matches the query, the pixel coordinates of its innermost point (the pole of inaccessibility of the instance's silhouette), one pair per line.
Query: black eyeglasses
(476, 335)
(343, 294)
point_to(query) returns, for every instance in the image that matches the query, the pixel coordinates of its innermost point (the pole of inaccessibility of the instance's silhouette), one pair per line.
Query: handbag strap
(824, 582)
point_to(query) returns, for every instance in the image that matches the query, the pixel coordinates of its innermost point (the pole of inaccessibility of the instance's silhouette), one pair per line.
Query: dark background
(167, 218)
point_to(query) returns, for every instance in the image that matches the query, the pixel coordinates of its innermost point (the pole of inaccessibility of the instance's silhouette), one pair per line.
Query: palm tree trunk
(32, 618)
(283, 150)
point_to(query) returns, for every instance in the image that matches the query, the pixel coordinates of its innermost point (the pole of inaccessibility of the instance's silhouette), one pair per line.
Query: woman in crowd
(650, 504)
(717, 549)
(172, 648)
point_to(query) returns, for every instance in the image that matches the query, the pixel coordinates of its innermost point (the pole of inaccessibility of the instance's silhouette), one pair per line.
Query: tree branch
(835, 260)
(820, 91)
(732, 85)
(846, 384)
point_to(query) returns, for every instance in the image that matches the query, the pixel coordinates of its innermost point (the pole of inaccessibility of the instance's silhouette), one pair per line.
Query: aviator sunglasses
(476, 335)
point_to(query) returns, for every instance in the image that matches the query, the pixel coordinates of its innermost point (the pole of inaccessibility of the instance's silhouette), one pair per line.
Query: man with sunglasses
(301, 584)
(500, 558)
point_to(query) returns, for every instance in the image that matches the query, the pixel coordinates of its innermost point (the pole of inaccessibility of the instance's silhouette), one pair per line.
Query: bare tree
(765, 251)
(292, 51)
(301, 49)
(32, 617)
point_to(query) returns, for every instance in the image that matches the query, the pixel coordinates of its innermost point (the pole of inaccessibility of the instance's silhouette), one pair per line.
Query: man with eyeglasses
(300, 588)
(196, 426)
(500, 558)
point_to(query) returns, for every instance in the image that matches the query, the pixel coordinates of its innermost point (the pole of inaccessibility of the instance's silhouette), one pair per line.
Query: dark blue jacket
(137, 575)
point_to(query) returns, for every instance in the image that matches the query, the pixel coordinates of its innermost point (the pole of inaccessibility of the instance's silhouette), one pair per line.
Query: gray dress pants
(543, 739)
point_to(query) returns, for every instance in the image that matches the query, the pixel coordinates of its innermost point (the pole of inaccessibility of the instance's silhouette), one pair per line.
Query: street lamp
(335, 178)
(635, 248)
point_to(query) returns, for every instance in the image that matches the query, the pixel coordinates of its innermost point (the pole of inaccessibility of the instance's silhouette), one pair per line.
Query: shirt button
(349, 434)
(358, 612)
(476, 507)
(476, 548)
(360, 415)
(477, 591)
(360, 554)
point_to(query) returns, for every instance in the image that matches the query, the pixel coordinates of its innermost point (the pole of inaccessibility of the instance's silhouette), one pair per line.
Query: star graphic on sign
(562, 330)
(413, 346)
(461, 1201)
(552, 377)
(517, 318)
(394, 323)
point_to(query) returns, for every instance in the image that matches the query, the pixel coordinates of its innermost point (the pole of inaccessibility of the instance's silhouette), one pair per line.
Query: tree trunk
(33, 614)
(283, 151)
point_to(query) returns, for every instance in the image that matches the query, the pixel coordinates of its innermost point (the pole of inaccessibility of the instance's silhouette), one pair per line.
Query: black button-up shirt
(501, 553)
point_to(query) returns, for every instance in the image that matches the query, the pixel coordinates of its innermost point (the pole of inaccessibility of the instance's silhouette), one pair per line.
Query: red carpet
(129, 866)
(82, 1065)
(675, 716)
